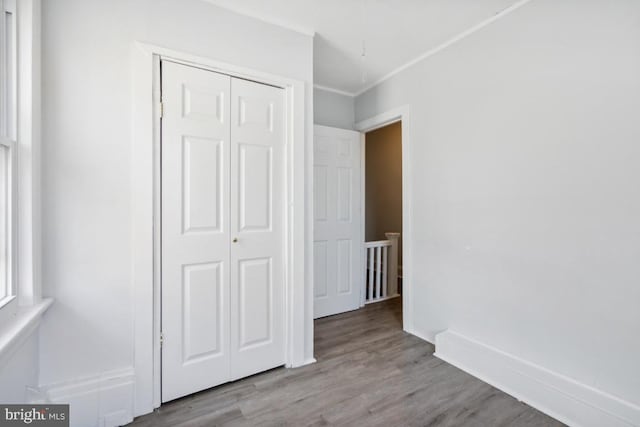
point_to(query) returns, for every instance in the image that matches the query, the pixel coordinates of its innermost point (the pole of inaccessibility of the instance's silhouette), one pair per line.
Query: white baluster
(370, 252)
(385, 261)
(393, 263)
(378, 271)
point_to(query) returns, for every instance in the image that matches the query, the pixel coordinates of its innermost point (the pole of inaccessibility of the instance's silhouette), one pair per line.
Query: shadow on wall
(383, 184)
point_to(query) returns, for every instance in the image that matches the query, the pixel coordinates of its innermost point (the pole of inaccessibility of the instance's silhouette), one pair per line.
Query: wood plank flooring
(369, 373)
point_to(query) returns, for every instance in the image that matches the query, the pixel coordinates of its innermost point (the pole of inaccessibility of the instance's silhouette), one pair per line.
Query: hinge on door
(161, 109)
(161, 339)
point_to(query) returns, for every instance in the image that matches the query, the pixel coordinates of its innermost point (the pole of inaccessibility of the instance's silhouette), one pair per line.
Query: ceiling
(395, 31)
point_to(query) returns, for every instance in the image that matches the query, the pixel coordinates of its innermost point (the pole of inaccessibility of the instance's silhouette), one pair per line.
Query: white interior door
(257, 227)
(222, 229)
(195, 229)
(338, 238)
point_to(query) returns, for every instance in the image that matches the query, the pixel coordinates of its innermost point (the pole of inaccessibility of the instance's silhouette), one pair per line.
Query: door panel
(202, 167)
(195, 229)
(222, 229)
(320, 268)
(337, 220)
(202, 309)
(257, 212)
(254, 300)
(254, 186)
(320, 193)
(345, 266)
(345, 198)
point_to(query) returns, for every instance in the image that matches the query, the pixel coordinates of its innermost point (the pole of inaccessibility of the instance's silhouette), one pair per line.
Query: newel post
(392, 278)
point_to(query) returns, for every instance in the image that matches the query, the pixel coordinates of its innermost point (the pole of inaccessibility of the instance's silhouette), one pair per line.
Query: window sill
(6, 300)
(19, 327)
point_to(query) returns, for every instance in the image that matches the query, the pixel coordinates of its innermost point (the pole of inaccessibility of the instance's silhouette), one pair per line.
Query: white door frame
(373, 123)
(145, 203)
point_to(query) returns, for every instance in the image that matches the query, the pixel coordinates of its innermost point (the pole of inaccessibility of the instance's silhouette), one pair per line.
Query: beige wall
(383, 174)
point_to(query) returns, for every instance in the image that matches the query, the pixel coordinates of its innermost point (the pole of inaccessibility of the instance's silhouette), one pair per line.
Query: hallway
(369, 373)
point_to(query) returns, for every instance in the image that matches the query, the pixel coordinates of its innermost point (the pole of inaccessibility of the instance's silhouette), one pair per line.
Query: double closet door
(222, 228)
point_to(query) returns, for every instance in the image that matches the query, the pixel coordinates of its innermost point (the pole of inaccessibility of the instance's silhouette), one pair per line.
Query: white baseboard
(413, 331)
(104, 400)
(382, 299)
(305, 362)
(563, 398)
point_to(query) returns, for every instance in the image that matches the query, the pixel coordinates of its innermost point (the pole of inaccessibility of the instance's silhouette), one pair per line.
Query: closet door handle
(235, 240)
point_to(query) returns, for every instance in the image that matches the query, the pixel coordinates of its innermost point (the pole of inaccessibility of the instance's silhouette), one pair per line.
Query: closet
(222, 215)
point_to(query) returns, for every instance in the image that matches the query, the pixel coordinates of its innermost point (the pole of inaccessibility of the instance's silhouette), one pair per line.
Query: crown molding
(502, 13)
(338, 91)
(236, 8)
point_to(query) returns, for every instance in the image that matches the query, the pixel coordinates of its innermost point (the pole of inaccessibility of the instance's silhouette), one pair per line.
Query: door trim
(145, 205)
(373, 123)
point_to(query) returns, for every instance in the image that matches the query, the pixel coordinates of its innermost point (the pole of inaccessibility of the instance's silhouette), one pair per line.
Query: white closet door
(195, 229)
(338, 242)
(257, 227)
(222, 229)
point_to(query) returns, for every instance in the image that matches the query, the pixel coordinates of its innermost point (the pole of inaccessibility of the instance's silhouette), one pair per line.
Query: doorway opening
(382, 212)
(358, 210)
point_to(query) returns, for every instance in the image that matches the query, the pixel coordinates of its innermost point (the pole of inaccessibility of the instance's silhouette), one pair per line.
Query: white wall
(333, 109)
(19, 370)
(526, 146)
(87, 157)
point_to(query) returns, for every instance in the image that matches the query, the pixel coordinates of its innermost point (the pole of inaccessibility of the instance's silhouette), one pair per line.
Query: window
(8, 137)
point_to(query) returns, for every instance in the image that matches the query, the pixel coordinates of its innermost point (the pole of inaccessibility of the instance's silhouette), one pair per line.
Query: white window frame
(8, 140)
(21, 313)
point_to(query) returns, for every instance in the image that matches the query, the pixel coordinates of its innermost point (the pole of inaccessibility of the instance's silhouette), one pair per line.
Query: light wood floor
(369, 373)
